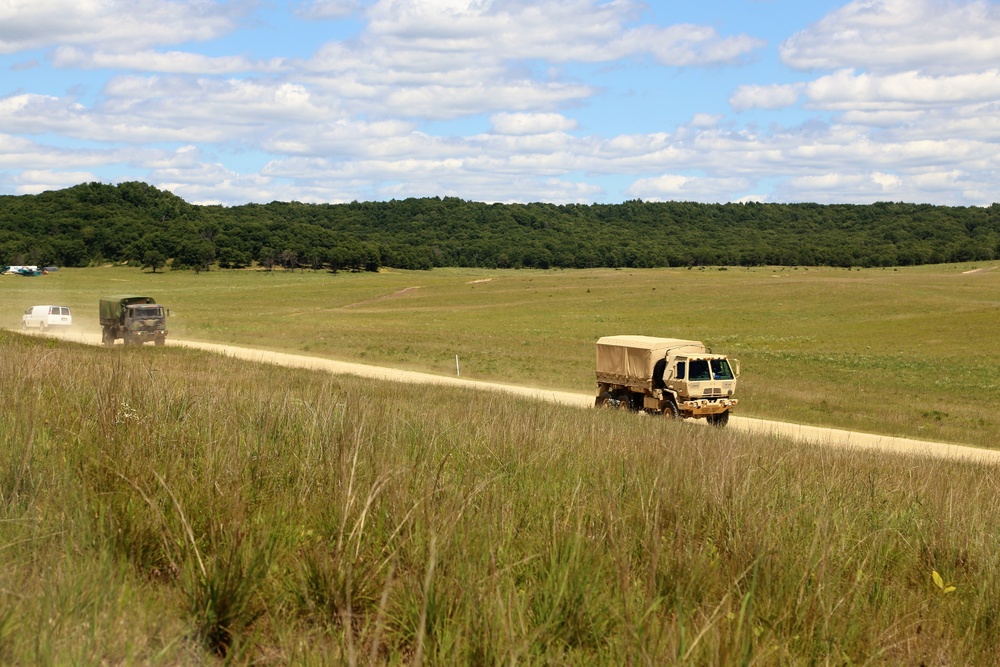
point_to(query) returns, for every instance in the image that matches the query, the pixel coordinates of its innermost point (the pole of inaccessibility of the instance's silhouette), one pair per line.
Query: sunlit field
(162, 506)
(907, 352)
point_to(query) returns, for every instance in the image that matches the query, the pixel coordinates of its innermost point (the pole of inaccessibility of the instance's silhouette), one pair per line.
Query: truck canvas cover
(111, 305)
(630, 359)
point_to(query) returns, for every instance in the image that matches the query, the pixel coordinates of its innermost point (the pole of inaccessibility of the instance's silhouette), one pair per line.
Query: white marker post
(458, 371)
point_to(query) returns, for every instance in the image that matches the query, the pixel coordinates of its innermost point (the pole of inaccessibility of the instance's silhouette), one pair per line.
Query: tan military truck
(668, 376)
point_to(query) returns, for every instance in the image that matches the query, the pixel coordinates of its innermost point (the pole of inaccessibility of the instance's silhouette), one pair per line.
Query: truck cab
(702, 384)
(702, 376)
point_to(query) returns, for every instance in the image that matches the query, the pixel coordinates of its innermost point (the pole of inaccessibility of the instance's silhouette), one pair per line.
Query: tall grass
(162, 506)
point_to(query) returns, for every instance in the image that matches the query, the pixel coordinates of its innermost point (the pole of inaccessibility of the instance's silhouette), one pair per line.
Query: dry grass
(163, 506)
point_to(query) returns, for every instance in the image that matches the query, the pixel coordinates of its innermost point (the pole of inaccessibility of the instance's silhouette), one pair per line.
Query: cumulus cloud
(429, 84)
(704, 120)
(531, 123)
(170, 62)
(331, 9)
(559, 30)
(892, 35)
(773, 96)
(120, 26)
(688, 188)
(950, 187)
(443, 59)
(34, 181)
(850, 90)
(345, 137)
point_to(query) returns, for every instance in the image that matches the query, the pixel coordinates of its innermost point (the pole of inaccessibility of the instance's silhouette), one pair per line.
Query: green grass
(906, 352)
(163, 506)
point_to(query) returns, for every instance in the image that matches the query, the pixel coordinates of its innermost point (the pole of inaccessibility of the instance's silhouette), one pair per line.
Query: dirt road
(811, 434)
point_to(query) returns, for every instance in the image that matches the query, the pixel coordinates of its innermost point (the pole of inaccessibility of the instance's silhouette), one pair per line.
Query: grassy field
(907, 352)
(164, 506)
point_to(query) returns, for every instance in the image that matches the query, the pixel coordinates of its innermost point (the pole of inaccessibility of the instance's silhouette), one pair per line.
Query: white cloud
(171, 62)
(891, 35)
(34, 181)
(445, 102)
(705, 120)
(331, 9)
(952, 187)
(345, 137)
(531, 123)
(687, 188)
(773, 96)
(848, 90)
(692, 45)
(434, 85)
(122, 25)
(557, 31)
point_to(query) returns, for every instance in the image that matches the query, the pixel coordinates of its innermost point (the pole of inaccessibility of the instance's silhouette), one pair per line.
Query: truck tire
(720, 419)
(160, 341)
(670, 410)
(602, 400)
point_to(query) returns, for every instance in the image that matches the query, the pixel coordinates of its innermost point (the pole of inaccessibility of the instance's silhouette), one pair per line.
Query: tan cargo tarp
(630, 359)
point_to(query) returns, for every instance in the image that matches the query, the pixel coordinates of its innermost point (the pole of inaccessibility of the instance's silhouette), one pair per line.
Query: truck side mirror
(736, 367)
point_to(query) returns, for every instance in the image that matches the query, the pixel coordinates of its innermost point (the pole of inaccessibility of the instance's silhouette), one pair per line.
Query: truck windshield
(721, 370)
(147, 312)
(698, 370)
(701, 370)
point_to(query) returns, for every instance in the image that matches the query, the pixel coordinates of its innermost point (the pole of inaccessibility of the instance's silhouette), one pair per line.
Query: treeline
(137, 223)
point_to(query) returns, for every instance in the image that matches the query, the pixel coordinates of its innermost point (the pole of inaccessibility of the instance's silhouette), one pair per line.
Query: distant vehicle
(43, 317)
(134, 319)
(23, 270)
(669, 376)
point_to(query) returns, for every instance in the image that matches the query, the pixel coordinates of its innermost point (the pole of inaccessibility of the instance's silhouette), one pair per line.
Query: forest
(136, 223)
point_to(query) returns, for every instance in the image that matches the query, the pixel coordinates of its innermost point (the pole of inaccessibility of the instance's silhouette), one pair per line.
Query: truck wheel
(160, 341)
(602, 400)
(720, 419)
(670, 410)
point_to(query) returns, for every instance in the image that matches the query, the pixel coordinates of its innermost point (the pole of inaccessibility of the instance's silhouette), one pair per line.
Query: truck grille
(712, 391)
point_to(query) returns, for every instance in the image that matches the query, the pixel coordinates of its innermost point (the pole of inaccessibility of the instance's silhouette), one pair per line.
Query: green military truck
(669, 376)
(133, 319)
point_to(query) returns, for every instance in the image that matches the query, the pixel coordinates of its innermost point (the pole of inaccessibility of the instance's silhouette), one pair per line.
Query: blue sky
(505, 100)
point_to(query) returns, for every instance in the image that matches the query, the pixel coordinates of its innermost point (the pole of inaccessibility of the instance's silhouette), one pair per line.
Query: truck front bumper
(149, 335)
(705, 406)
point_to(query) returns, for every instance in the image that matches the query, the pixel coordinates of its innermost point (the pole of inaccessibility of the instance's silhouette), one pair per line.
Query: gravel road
(811, 434)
